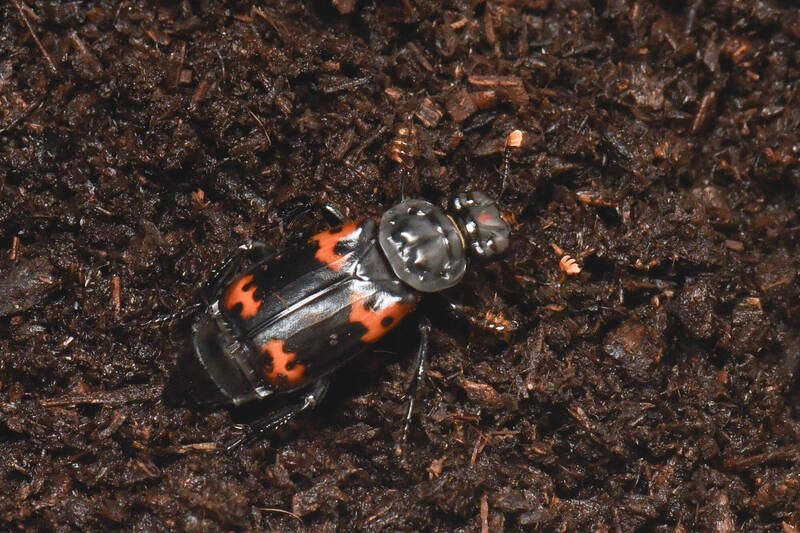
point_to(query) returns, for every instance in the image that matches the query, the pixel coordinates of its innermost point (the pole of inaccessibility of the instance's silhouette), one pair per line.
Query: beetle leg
(186, 311)
(456, 307)
(254, 251)
(335, 213)
(419, 371)
(492, 317)
(268, 425)
(331, 212)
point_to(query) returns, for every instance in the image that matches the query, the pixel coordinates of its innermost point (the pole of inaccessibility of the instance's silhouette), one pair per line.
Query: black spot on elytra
(342, 248)
(387, 321)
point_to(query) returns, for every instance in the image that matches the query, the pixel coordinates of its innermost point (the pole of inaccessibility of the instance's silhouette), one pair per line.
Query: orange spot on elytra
(379, 321)
(327, 241)
(281, 360)
(236, 294)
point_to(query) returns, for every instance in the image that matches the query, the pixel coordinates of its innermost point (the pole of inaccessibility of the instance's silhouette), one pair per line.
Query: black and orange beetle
(281, 323)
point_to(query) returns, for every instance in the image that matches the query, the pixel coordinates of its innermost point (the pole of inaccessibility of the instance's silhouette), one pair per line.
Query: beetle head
(479, 219)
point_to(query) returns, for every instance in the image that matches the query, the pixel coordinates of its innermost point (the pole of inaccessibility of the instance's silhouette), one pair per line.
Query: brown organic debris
(569, 265)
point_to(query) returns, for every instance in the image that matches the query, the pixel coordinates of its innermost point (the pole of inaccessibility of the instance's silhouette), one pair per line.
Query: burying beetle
(281, 323)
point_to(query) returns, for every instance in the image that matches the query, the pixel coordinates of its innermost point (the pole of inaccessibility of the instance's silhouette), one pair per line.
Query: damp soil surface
(657, 389)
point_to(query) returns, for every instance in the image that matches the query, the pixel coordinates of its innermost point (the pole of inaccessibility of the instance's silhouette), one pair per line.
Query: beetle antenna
(513, 141)
(403, 151)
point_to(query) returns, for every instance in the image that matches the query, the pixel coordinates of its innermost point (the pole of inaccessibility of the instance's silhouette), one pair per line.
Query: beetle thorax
(423, 245)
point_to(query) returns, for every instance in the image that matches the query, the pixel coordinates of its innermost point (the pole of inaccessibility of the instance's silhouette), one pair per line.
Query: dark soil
(656, 390)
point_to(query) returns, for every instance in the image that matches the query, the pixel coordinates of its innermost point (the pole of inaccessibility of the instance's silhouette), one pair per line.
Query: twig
(368, 141)
(480, 444)
(22, 115)
(269, 141)
(184, 449)
(279, 28)
(36, 39)
(180, 65)
(282, 511)
(14, 248)
(484, 513)
(116, 299)
(125, 395)
(743, 463)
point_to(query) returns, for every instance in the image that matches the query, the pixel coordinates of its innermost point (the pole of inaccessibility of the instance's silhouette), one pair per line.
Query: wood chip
(460, 105)
(736, 246)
